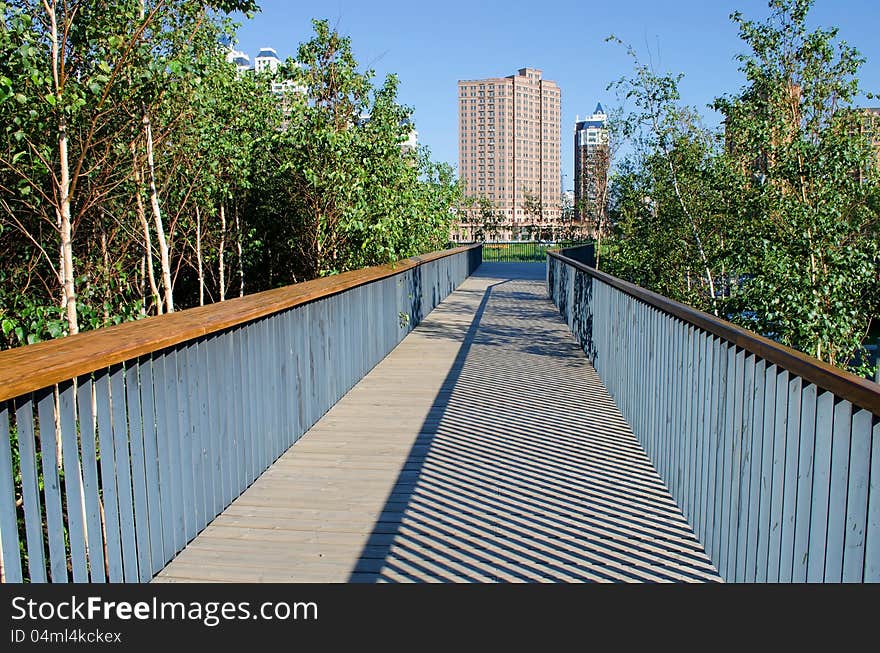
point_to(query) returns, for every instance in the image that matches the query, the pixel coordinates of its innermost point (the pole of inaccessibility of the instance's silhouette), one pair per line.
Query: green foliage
(254, 190)
(773, 222)
(486, 221)
(355, 195)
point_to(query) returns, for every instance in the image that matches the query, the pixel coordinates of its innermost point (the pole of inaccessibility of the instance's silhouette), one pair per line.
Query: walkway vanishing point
(483, 448)
(439, 419)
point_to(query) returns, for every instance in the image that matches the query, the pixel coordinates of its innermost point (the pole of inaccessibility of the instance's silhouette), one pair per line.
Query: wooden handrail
(855, 389)
(33, 367)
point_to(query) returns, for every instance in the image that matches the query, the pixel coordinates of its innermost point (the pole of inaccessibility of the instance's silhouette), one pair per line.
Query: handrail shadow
(553, 489)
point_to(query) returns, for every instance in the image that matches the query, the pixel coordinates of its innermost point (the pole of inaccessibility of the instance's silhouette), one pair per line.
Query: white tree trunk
(62, 190)
(199, 256)
(67, 271)
(164, 259)
(141, 212)
(240, 259)
(222, 263)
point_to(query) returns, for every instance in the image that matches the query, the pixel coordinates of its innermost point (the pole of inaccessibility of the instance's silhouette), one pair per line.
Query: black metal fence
(522, 251)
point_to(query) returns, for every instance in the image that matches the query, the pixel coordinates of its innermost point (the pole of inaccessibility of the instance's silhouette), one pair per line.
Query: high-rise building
(266, 58)
(871, 126)
(591, 162)
(509, 149)
(240, 59)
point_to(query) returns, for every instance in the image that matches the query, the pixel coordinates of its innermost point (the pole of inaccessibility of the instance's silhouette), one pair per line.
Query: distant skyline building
(871, 125)
(267, 58)
(590, 161)
(240, 59)
(509, 147)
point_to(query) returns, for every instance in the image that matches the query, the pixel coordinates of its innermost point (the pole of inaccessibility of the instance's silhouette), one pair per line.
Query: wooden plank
(857, 498)
(151, 464)
(33, 518)
(746, 466)
(739, 450)
(11, 558)
(840, 456)
(821, 488)
(755, 472)
(122, 454)
(728, 448)
(163, 384)
(768, 457)
(88, 432)
(183, 447)
(872, 536)
(779, 425)
(803, 509)
(73, 482)
(29, 368)
(46, 409)
(138, 470)
(790, 480)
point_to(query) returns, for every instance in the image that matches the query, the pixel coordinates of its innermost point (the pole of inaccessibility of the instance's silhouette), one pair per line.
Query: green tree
(533, 207)
(357, 195)
(485, 220)
(667, 187)
(805, 191)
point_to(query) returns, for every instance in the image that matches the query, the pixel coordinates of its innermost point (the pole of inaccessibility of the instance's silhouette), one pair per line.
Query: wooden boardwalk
(483, 448)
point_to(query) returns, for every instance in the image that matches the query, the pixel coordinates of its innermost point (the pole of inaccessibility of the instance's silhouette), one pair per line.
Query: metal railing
(129, 440)
(520, 251)
(773, 456)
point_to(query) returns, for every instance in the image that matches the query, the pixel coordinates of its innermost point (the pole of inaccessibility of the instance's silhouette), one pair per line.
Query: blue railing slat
(780, 418)
(73, 483)
(156, 446)
(872, 535)
(52, 487)
(215, 451)
(151, 463)
(120, 426)
(778, 478)
(186, 422)
(91, 487)
(806, 449)
(840, 455)
(165, 467)
(746, 466)
(789, 493)
(8, 514)
(196, 378)
(755, 490)
(857, 498)
(33, 518)
(138, 471)
(821, 487)
(735, 466)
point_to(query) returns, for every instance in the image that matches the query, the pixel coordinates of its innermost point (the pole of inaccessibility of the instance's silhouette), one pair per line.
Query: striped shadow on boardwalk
(483, 448)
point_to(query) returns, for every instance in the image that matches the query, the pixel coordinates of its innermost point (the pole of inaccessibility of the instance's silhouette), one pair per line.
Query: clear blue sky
(431, 45)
